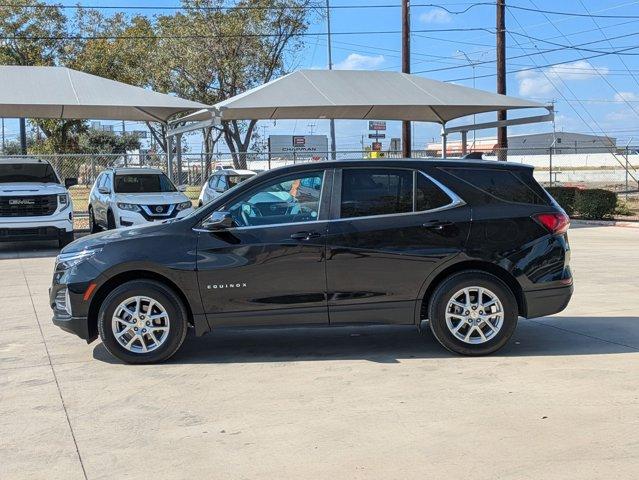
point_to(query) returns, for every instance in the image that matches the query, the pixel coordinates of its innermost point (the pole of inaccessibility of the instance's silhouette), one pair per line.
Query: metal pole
(550, 165)
(464, 136)
(406, 130)
(502, 132)
(179, 158)
(4, 145)
(23, 136)
(444, 142)
(330, 67)
(169, 155)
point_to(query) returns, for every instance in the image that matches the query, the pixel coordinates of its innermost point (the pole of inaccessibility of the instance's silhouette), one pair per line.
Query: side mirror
(218, 221)
(181, 188)
(70, 182)
(104, 190)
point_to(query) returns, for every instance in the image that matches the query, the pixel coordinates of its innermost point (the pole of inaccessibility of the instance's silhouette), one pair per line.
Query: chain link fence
(580, 166)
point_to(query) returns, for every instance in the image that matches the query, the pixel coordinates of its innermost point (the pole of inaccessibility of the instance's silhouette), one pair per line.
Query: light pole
(473, 65)
(330, 67)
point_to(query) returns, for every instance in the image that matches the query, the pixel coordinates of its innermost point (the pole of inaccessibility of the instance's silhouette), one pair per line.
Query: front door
(391, 229)
(270, 267)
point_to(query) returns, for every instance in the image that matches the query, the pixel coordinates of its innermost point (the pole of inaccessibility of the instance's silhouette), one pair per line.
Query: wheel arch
(123, 277)
(490, 268)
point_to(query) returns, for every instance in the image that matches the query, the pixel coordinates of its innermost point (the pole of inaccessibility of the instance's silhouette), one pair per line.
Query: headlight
(131, 207)
(68, 260)
(64, 201)
(184, 206)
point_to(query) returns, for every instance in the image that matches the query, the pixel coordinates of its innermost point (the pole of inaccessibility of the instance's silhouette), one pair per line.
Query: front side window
(291, 199)
(143, 183)
(27, 173)
(214, 181)
(376, 191)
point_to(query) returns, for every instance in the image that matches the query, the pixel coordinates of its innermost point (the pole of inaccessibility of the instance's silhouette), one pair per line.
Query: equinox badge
(226, 285)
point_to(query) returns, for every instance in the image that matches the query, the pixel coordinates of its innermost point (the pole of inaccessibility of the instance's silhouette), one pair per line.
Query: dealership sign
(376, 125)
(288, 145)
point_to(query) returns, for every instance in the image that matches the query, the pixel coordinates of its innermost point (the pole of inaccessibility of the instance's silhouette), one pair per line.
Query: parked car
(34, 203)
(466, 246)
(221, 181)
(123, 197)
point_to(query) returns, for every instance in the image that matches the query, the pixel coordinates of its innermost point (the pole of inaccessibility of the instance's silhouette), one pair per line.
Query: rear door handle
(437, 224)
(304, 235)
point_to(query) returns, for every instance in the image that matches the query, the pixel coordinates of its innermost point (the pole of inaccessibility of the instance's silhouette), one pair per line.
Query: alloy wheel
(140, 324)
(474, 315)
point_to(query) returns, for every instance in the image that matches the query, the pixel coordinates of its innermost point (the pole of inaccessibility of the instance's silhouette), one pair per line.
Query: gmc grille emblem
(25, 201)
(226, 285)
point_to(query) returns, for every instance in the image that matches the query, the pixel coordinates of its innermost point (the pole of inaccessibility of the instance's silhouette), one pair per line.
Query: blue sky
(592, 95)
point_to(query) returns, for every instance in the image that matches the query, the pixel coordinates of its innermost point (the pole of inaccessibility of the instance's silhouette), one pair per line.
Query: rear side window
(506, 185)
(428, 195)
(369, 192)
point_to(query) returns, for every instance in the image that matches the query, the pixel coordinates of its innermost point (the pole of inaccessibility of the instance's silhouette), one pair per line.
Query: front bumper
(77, 325)
(547, 301)
(36, 228)
(126, 218)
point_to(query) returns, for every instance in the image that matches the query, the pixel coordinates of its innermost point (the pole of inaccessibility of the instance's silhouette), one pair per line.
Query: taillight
(553, 222)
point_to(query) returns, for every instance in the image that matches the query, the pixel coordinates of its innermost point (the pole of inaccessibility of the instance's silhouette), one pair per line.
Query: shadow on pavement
(390, 344)
(30, 249)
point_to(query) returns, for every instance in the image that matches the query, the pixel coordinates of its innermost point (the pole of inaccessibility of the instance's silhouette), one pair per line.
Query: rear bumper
(548, 301)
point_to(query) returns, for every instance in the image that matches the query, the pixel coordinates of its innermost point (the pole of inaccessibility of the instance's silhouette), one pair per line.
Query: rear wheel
(142, 321)
(473, 313)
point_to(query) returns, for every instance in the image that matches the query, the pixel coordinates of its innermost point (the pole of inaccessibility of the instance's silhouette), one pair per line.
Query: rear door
(390, 228)
(270, 267)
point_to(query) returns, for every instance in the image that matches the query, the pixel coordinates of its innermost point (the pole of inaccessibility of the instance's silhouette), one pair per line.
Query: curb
(605, 223)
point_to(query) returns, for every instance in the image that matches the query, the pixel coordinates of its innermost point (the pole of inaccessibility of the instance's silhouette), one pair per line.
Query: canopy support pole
(169, 154)
(464, 135)
(178, 144)
(444, 140)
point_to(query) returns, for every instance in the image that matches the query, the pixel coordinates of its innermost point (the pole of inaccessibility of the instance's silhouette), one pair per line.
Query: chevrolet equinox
(466, 246)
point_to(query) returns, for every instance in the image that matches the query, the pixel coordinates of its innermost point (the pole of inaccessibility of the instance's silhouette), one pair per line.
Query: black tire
(65, 239)
(443, 294)
(110, 221)
(93, 227)
(174, 307)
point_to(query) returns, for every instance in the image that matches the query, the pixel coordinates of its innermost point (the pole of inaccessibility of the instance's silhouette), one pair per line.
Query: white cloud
(626, 97)
(436, 15)
(355, 61)
(535, 83)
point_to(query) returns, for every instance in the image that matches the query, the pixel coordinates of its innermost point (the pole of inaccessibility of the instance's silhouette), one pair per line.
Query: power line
(568, 14)
(240, 35)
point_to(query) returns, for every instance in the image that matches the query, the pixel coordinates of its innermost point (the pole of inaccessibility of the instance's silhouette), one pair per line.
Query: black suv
(466, 245)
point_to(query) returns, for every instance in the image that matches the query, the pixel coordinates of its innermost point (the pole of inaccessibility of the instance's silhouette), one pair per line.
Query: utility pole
(23, 136)
(502, 132)
(4, 145)
(330, 67)
(406, 137)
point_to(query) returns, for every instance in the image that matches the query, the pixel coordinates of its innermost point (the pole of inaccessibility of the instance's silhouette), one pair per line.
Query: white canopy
(358, 94)
(57, 92)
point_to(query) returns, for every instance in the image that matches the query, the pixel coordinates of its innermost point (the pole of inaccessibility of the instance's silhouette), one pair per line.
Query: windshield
(27, 172)
(143, 183)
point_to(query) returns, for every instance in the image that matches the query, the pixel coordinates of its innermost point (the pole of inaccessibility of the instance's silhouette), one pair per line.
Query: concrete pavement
(560, 401)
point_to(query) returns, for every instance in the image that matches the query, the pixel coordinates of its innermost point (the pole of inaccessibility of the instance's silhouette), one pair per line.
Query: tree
(215, 52)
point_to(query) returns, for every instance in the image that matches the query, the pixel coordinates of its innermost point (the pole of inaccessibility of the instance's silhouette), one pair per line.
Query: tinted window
(367, 192)
(502, 184)
(214, 181)
(143, 183)
(428, 195)
(233, 180)
(295, 198)
(27, 172)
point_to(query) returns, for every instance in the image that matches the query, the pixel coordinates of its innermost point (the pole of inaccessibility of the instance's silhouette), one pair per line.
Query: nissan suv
(34, 203)
(465, 247)
(123, 197)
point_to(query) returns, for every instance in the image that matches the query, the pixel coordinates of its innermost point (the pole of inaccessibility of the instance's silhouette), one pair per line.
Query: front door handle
(304, 235)
(437, 224)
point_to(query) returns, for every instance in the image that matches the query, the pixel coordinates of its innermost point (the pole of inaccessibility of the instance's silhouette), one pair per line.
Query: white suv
(122, 197)
(221, 181)
(34, 205)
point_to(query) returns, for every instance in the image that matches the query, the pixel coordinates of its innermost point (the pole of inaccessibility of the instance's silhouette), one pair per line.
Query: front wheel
(142, 321)
(473, 313)
(93, 227)
(110, 221)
